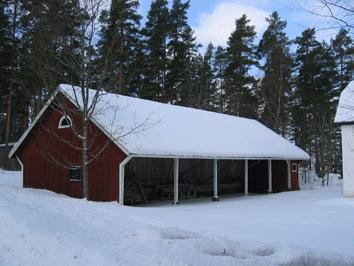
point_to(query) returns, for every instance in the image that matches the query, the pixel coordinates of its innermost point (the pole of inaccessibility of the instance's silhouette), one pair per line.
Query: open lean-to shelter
(142, 151)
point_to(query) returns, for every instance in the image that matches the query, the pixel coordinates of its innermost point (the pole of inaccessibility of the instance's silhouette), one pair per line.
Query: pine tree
(52, 29)
(314, 108)
(119, 47)
(203, 84)
(5, 46)
(343, 47)
(207, 91)
(303, 87)
(219, 68)
(181, 50)
(274, 50)
(240, 53)
(14, 109)
(324, 111)
(155, 34)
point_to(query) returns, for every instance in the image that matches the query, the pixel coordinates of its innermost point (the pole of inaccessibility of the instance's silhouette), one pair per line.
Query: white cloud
(217, 26)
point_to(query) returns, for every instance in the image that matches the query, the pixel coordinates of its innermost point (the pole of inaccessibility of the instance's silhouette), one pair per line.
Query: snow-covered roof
(151, 129)
(345, 109)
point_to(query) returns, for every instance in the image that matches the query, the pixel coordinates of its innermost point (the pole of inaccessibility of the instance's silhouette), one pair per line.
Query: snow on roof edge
(219, 157)
(345, 108)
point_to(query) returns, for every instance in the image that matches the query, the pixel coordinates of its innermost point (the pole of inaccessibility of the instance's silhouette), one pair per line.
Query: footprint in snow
(171, 233)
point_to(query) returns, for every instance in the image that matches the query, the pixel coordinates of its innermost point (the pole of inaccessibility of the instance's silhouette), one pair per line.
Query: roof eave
(343, 123)
(203, 157)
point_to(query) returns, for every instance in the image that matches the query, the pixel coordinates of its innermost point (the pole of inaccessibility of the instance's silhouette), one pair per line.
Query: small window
(294, 167)
(65, 122)
(76, 174)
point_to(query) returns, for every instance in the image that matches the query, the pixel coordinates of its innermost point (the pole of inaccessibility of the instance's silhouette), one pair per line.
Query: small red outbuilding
(163, 148)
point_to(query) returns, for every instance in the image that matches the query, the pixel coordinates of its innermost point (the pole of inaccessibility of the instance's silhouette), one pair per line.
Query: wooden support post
(270, 189)
(22, 169)
(175, 180)
(215, 197)
(246, 177)
(121, 179)
(289, 174)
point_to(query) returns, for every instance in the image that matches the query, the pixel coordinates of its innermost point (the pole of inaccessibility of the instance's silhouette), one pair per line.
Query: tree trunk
(85, 159)
(280, 94)
(37, 103)
(13, 64)
(8, 117)
(121, 58)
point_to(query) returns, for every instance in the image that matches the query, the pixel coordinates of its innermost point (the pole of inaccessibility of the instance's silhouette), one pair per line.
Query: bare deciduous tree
(338, 13)
(80, 63)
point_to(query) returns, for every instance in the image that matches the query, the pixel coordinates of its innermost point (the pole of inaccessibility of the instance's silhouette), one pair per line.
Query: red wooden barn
(143, 150)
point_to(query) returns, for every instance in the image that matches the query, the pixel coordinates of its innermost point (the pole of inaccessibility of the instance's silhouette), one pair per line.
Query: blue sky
(213, 20)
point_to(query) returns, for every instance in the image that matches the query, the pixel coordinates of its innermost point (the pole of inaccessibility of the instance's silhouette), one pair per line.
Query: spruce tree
(240, 53)
(274, 50)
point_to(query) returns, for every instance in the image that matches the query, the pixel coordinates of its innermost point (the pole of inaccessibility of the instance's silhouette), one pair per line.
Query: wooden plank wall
(151, 173)
(49, 151)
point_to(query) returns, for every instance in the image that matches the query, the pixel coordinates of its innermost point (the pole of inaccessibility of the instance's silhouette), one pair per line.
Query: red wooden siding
(295, 176)
(44, 155)
(258, 176)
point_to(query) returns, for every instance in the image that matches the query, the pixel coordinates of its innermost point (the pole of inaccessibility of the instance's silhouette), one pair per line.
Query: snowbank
(314, 182)
(295, 228)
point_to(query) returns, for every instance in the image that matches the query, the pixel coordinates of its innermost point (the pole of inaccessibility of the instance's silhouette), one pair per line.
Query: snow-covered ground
(309, 227)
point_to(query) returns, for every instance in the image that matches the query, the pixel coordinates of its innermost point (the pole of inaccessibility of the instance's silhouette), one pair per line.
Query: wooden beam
(246, 177)
(215, 197)
(289, 174)
(270, 179)
(175, 180)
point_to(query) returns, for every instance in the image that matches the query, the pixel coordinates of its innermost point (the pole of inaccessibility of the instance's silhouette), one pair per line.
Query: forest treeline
(292, 86)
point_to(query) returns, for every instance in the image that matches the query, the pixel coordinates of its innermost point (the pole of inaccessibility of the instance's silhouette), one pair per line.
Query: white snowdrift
(38, 227)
